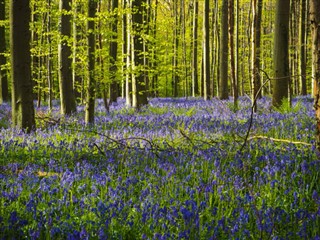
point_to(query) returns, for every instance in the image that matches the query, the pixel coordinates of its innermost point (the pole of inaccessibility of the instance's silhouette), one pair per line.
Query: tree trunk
(195, 87)
(206, 51)
(223, 86)
(232, 60)
(236, 53)
(255, 51)
(138, 86)
(128, 25)
(76, 70)
(154, 64)
(113, 50)
(315, 35)
(49, 57)
(175, 77)
(68, 103)
(303, 42)
(90, 99)
(20, 36)
(4, 92)
(281, 53)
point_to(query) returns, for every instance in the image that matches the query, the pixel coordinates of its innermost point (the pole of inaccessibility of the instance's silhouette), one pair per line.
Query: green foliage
(287, 107)
(184, 112)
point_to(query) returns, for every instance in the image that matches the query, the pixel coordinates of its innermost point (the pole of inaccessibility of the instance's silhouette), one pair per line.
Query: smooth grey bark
(4, 91)
(138, 85)
(206, 51)
(49, 58)
(303, 42)
(223, 81)
(281, 53)
(77, 79)
(20, 36)
(232, 54)
(113, 50)
(67, 98)
(315, 35)
(175, 77)
(255, 51)
(90, 98)
(195, 87)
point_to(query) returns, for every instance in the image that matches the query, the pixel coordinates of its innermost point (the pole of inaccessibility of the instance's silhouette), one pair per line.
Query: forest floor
(177, 169)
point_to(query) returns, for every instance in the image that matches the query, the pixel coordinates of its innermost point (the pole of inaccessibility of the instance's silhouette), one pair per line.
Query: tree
(90, 99)
(232, 54)
(255, 50)
(113, 50)
(223, 86)
(206, 51)
(175, 77)
(315, 35)
(303, 40)
(195, 88)
(4, 92)
(281, 53)
(138, 84)
(22, 97)
(67, 98)
(127, 24)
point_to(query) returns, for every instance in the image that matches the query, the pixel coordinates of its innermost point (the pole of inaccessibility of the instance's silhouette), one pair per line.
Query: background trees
(4, 95)
(160, 53)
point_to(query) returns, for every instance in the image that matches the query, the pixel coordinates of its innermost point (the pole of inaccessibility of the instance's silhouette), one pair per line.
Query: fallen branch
(279, 140)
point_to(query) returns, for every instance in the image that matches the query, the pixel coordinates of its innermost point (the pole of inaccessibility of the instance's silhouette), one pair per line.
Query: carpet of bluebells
(174, 170)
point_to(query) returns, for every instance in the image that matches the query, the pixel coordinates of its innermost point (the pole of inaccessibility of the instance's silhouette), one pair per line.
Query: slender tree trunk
(76, 70)
(154, 53)
(49, 57)
(90, 99)
(195, 87)
(281, 53)
(303, 42)
(232, 60)
(315, 35)
(175, 50)
(20, 36)
(236, 53)
(255, 50)
(206, 51)
(128, 20)
(184, 47)
(223, 86)
(4, 92)
(68, 103)
(113, 50)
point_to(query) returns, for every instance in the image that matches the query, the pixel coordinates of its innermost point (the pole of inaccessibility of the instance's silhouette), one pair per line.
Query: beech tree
(113, 50)
(315, 34)
(20, 35)
(90, 99)
(281, 53)
(138, 85)
(195, 88)
(67, 98)
(223, 86)
(303, 41)
(4, 92)
(255, 49)
(206, 51)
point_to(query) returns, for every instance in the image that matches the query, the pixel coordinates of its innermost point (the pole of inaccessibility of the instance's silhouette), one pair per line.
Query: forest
(159, 119)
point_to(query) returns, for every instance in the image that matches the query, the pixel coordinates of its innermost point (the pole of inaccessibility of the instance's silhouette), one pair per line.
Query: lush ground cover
(172, 171)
